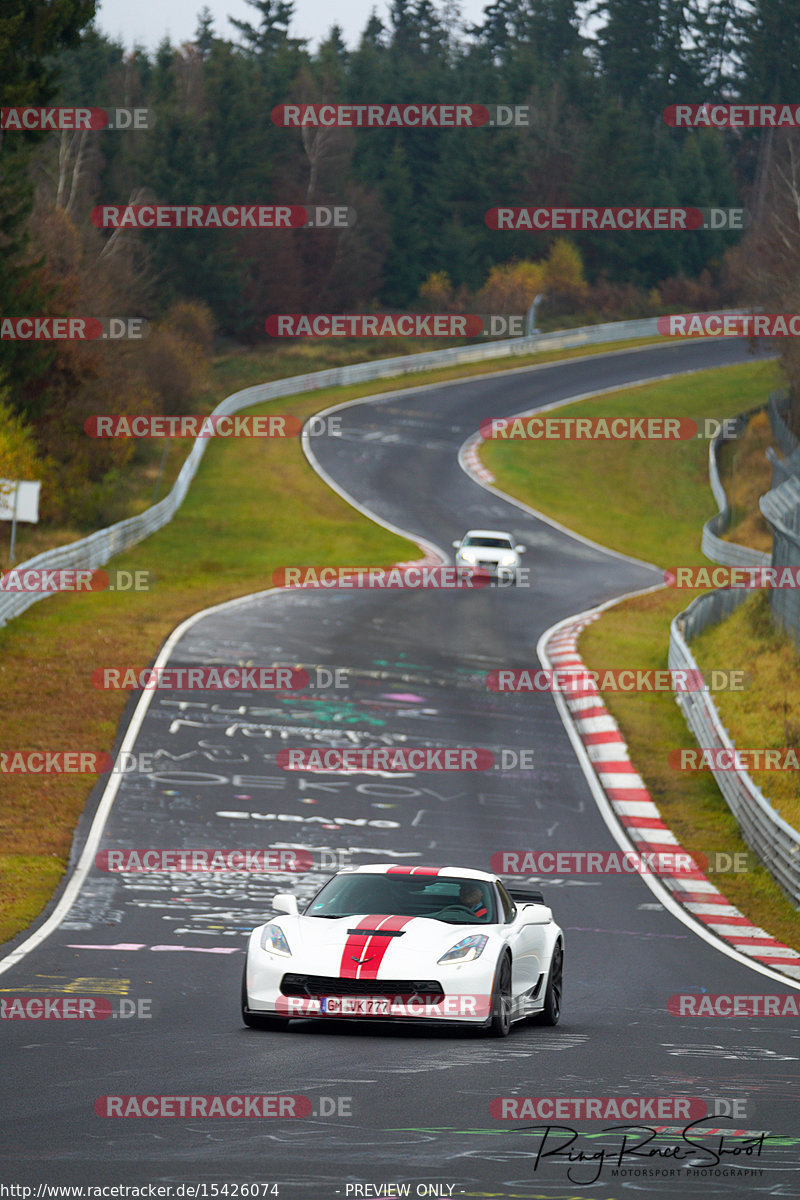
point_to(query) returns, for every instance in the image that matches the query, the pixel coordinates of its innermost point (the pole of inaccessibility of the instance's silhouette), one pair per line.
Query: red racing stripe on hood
(364, 946)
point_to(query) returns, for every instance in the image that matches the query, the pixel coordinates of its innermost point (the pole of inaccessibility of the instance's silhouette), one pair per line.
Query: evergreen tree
(204, 34)
(769, 41)
(31, 35)
(629, 49)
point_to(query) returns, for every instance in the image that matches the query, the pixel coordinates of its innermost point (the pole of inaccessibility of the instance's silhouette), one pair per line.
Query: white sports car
(409, 943)
(490, 552)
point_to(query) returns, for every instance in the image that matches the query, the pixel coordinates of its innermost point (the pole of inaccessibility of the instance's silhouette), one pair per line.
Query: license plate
(355, 1006)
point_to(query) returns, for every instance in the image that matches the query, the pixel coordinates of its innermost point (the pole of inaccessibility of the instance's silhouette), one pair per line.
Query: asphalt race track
(391, 1105)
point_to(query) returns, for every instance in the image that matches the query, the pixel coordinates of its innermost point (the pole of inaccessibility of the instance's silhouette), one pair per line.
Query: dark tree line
(596, 136)
(594, 76)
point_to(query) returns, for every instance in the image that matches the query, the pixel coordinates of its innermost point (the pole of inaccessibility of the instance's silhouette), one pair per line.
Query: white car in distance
(490, 552)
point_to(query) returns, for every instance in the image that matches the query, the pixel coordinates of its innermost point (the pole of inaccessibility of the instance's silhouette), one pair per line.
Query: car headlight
(274, 940)
(508, 560)
(466, 950)
(468, 556)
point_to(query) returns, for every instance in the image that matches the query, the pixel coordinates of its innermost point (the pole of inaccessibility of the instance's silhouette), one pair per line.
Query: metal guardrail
(730, 554)
(96, 549)
(782, 467)
(776, 406)
(781, 509)
(775, 842)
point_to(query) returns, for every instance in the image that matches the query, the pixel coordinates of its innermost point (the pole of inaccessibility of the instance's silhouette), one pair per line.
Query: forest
(593, 80)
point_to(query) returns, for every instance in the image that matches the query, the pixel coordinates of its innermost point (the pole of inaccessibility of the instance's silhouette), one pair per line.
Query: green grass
(252, 508)
(27, 882)
(654, 499)
(655, 495)
(767, 714)
(241, 368)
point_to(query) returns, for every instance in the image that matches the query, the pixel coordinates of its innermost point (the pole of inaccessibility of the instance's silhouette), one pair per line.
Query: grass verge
(156, 465)
(655, 498)
(281, 514)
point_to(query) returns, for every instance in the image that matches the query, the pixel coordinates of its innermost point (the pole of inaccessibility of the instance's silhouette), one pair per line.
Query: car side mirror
(456, 543)
(285, 902)
(520, 549)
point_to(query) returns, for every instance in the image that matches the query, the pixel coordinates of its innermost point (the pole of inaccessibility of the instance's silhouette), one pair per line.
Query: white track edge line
(653, 882)
(106, 803)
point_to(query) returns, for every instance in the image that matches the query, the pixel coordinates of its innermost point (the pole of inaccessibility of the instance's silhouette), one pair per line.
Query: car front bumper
(464, 996)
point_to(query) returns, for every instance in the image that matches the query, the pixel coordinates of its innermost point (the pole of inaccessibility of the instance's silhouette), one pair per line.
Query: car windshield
(453, 901)
(492, 543)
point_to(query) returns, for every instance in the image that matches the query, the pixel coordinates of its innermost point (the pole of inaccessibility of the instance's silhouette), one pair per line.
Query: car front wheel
(551, 1013)
(500, 1025)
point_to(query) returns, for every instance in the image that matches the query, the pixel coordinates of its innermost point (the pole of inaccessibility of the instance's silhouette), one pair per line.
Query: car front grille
(333, 985)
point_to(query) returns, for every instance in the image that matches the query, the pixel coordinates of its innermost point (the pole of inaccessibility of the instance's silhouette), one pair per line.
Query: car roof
(488, 533)
(440, 872)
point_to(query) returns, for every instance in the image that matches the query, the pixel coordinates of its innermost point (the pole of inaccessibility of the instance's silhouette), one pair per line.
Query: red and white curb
(633, 807)
(472, 461)
(431, 559)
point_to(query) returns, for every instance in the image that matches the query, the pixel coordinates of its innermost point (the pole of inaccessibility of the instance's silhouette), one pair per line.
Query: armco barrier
(782, 467)
(775, 842)
(99, 547)
(764, 830)
(730, 554)
(786, 441)
(781, 508)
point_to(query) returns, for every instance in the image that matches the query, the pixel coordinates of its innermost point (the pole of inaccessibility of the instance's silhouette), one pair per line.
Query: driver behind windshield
(471, 896)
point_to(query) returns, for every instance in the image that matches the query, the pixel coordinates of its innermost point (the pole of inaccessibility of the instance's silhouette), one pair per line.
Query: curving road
(409, 1106)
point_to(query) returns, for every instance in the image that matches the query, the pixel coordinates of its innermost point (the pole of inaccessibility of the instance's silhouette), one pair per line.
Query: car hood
(371, 946)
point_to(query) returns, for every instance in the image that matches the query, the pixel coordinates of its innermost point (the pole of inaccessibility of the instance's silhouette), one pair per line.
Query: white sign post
(19, 501)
